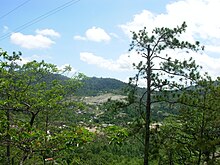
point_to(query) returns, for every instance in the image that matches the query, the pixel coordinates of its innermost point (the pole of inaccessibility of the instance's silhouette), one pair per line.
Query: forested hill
(95, 86)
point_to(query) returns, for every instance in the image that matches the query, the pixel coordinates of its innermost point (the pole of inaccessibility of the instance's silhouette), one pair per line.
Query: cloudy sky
(93, 36)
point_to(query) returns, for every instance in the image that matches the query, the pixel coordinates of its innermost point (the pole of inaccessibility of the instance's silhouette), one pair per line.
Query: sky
(93, 36)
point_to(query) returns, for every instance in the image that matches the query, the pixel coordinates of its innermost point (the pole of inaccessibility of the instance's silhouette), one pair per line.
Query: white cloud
(97, 34)
(94, 34)
(31, 41)
(114, 35)
(123, 63)
(209, 64)
(144, 19)
(212, 48)
(79, 38)
(48, 32)
(90, 58)
(201, 17)
(40, 40)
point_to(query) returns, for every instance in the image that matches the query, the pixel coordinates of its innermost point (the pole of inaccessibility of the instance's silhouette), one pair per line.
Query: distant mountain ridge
(95, 86)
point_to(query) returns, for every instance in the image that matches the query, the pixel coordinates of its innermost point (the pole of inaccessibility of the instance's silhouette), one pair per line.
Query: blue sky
(93, 36)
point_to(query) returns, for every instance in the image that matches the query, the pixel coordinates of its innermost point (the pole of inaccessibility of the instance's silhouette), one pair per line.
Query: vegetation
(162, 78)
(47, 118)
(95, 86)
(31, 129)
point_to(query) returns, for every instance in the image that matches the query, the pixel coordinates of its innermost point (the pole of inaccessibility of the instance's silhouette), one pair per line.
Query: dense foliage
(95, 86)
(31, 104)
(46, 118)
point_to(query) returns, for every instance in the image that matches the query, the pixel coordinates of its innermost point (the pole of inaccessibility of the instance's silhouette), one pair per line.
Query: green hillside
(95, 86)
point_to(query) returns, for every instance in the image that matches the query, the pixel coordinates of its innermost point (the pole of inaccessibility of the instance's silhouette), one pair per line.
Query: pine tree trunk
(8, 152)
(148, 109)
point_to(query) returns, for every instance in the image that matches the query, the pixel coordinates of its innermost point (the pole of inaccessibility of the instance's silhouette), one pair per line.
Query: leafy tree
(192, 136)
(171, 74)
(8, 67)
(30, 105)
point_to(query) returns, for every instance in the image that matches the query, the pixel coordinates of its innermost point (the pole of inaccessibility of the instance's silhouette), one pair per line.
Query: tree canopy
(171, 75)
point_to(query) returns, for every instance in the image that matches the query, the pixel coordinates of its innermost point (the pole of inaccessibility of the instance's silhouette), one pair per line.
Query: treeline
(94, 86)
